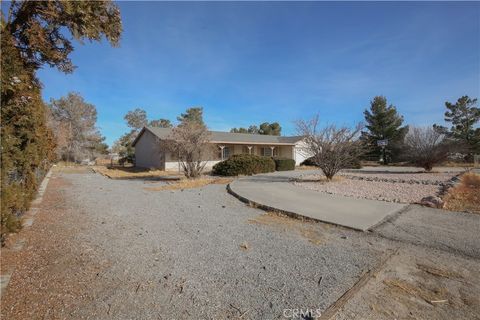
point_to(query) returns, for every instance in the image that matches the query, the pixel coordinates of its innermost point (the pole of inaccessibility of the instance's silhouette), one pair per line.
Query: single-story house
(149, 153)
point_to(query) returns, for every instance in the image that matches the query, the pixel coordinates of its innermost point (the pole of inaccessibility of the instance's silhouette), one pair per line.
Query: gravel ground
(198, 253)
(113, 249)
(376, 190)
(430, 178)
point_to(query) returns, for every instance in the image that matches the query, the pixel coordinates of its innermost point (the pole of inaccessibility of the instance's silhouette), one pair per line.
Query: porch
(224, 151)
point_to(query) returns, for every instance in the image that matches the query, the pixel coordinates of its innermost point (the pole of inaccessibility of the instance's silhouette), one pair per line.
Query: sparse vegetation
(133, 173)
(466, 195)
(190, 184)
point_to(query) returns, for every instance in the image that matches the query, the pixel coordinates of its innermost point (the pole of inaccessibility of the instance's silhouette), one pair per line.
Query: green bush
(284, 164)
(244, 164)
(355, 164)
(309, 162)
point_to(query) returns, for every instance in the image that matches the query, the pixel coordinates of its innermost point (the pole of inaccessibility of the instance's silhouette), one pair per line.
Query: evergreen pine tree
(383, 123)
(464, 115)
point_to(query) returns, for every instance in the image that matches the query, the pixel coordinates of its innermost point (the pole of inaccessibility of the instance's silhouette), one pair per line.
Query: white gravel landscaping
(409, 188)
(412, 178)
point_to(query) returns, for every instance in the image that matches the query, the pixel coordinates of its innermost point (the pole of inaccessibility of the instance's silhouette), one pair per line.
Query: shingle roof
(229, 137)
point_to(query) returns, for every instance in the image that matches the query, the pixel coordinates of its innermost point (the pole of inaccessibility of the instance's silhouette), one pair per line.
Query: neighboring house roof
(228, 137)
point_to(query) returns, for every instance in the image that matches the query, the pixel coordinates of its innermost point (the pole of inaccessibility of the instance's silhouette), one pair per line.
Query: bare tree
(426, 147)
(333, 148)
(190, 142)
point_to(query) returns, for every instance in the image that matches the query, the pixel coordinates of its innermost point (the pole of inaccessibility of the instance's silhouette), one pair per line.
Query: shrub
(129, 158)
(426, 147)
(354, 164)
(309, 162)
(244, 164)
(333, 148)
(283, 164)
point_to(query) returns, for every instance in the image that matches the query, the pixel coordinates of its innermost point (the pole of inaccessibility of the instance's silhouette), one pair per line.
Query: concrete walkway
(273, 192)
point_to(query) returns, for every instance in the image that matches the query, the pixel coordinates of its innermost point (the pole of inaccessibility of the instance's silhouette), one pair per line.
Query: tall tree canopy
(251, 129)
(34, 33)
(161, 123)
(273, 129)
(77, 119)
(383, 123)
(194, 114)
(136, 119)
(464, 115)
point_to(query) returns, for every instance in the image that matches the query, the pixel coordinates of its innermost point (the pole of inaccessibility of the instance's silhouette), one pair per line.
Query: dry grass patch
(438, 272)
(63, 168)
(418, 290)
(190, 184)
(133, 173)
(466, 195)
(306, 168)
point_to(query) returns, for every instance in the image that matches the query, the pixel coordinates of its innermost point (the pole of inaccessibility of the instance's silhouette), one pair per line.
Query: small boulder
(432, 202)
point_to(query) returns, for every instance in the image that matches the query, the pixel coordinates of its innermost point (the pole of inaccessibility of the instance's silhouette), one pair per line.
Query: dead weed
(417, 290)
(438, 272)
(132, 172)
(190, 184)
(466, 195)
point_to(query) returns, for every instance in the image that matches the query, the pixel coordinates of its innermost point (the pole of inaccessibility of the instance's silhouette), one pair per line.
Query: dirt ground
(418, 284)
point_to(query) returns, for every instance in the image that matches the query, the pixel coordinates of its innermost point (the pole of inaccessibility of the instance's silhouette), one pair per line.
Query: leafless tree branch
(333, 148)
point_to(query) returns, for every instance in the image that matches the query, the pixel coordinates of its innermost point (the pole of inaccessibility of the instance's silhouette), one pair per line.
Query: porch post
(249, 149)
(271, 147)
(221, 151)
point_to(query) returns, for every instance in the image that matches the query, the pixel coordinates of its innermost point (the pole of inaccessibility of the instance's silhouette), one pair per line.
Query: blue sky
(250, 62)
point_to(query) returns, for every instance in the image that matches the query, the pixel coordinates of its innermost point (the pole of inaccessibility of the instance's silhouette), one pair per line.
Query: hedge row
(356, 164)
(244, 164)
(283, 164)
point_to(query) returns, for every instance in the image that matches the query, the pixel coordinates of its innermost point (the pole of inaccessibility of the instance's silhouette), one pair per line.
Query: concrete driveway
(273, 192)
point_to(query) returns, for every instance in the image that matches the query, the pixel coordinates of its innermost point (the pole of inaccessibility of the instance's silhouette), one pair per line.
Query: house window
(267, 151)
(226, 152)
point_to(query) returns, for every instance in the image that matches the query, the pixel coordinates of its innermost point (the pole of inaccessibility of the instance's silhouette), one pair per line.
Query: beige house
(149, 153)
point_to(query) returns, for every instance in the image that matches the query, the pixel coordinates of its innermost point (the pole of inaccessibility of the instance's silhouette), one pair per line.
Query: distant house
(149, 153)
